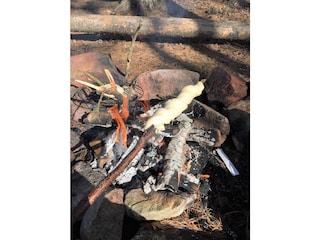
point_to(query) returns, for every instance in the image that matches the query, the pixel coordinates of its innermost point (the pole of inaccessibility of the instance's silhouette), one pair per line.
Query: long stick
(161, 27)
(84, 204)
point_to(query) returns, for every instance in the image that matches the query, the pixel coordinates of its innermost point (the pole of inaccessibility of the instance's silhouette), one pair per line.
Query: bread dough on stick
(174, 107)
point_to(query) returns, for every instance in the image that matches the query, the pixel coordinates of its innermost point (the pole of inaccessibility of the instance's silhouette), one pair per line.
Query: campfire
(154, 148)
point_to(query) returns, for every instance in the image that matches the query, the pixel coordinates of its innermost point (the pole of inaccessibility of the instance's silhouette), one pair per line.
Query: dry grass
(195, 218)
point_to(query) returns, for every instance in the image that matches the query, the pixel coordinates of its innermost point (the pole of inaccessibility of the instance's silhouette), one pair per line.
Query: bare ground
(152, 54)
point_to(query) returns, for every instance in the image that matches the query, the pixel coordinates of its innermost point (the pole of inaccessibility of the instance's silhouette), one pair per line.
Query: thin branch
(134, 37)
(94, 78)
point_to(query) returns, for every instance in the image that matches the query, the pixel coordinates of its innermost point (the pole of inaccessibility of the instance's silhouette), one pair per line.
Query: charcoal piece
(93, 139)
(198, 111)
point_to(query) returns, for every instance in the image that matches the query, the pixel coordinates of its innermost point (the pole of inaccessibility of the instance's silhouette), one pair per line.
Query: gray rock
(239, 117)
(243, 105)
(156, 205)
(83, 180)
(104, 219)
(213, 120)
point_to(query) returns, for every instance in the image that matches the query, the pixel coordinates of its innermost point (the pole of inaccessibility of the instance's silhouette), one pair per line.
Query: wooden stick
(84, 204)
(161, 27)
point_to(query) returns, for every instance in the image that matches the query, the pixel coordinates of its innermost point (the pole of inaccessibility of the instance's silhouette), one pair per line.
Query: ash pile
(140, 150)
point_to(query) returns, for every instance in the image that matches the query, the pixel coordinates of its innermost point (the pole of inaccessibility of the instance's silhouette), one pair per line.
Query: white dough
(174, 107)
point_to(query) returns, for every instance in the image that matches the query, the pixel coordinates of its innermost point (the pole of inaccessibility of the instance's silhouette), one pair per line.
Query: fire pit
(151, 144)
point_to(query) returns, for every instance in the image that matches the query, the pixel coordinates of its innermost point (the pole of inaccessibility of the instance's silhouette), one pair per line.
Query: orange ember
(121, 132)
(205, 176)
(125, 108)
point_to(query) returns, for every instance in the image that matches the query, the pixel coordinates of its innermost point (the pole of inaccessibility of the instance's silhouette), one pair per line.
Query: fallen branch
(84, 204)
(161, 27)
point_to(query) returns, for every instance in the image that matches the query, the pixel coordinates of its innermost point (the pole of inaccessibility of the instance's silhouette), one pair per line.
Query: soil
(177, 53)
(230, 195)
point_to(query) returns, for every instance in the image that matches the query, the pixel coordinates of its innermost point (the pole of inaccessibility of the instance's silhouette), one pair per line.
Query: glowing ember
(125, 108)
(121, 132)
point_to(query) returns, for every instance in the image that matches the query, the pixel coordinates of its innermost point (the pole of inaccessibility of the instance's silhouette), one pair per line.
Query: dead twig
(84, 204)
(134, 37)
(94, 78)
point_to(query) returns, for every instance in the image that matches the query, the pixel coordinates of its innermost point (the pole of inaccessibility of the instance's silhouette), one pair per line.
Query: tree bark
(141, 7)
(161, 27)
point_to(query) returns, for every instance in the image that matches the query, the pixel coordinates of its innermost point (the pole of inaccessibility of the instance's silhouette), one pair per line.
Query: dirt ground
(231, 197)
(152, 55)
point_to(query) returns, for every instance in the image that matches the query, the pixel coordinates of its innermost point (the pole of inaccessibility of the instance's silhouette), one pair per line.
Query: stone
(74, 137)
(211, 119)
(74, 140)
(239, 116)
(243, 105)
(83, 180)
(163, 83)
(78, 107)
(224, 87)
(95, 64)
(104, 219)
(157, 205)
